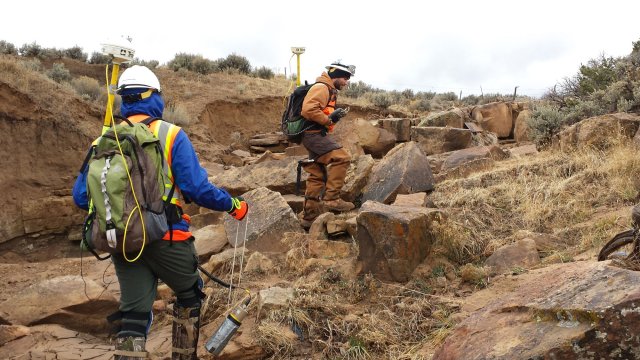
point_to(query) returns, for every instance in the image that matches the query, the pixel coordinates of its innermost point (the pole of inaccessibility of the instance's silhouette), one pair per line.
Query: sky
(467, 47)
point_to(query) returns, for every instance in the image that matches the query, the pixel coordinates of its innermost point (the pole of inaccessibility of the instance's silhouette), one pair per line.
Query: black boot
(130, 348)
(186, 330)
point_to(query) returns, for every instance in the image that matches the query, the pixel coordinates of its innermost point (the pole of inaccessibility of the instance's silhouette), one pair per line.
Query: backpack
(117, 198)
(293, 124)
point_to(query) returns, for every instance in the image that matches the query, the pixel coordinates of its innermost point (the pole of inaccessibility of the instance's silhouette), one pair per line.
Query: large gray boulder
(571, 311)
(268, 218)
(357, 177)
(393, 240)
(452, 118)
(460, 157)
(404, 170)
(496, 117)
(436, 140)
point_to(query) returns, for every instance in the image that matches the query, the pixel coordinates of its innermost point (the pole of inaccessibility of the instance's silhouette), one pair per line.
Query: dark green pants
(176, 264)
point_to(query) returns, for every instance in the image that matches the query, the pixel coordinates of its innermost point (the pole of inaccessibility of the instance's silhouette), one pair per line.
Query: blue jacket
(187, 172)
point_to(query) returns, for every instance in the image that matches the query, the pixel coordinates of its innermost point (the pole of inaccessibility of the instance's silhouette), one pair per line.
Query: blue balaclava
(152, 106)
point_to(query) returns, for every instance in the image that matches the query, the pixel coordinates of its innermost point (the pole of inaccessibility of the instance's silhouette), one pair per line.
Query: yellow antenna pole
(108, 115)
(298, 51)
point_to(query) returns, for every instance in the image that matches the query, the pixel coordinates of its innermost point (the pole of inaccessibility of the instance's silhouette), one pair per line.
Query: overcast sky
(395, 44)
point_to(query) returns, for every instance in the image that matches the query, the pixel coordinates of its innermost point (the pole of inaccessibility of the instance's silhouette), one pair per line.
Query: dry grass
(554, 192)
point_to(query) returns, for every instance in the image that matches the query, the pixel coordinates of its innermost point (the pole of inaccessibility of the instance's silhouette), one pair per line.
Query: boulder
(268, 218)
(327, 249)
(276, 175)
(232, 160)
(460, 157)
(523, 150)
(353, 134)
(385, 142)
(217, 261)
(404, 170)
(597, 131)
(318, 229)
(411, 200)
(210, 240)
(336, 226)
(357, 177)
(393, 240)
(521, 126)
(496, 117)
(401, 128)
(454, 118)
(436, 140)
(522, 254)
(71, 301)
(273, 298)
(258, 262)
(571, 311)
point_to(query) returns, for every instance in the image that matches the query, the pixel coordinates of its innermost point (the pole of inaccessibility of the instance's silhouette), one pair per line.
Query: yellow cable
(135, 197)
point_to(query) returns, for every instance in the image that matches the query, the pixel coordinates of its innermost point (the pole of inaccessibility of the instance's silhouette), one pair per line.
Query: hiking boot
(338, 205)
(306, 222)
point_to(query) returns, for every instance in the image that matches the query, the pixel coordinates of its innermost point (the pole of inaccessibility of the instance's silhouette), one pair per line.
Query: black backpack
(293, 124)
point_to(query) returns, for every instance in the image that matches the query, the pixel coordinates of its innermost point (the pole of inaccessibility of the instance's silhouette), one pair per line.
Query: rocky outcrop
(521, 126)
(276, 175)
(268, 218)
(386, 141)
(404, 170)
(393, 240)
(580, 310)
(399, 127)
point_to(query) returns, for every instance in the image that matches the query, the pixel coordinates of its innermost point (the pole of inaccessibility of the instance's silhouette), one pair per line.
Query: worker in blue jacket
(174, 261)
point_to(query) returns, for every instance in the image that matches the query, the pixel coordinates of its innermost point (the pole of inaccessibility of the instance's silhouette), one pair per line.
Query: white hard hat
(350, 69)
(138, 76)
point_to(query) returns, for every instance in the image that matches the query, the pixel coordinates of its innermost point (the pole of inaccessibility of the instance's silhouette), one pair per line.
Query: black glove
(337, 114)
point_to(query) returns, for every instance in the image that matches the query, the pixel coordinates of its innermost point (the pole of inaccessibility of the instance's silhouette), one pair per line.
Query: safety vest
(332, 103)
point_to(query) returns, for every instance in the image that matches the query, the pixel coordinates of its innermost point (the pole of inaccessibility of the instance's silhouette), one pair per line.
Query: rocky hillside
(467, 243)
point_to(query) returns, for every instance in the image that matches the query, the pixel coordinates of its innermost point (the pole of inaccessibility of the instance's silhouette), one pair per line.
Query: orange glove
(239, 208)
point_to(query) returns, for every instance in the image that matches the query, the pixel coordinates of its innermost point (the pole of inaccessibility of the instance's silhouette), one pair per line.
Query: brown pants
(336, 163)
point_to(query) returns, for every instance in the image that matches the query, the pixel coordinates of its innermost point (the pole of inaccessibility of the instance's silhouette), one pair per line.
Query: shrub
(51, 53)
(86, 86)
(30, 50)
(448, 96)
(59, 73)
(380, 99)
(357, 89)
(7, 48)
(408, 94)
(235, 61)
(263, 72)
(421, 105)
(470, 100)
(201, 65)
(32, 64)
(99, 58)
(75, 53)
(545, 121)
(181, 61)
